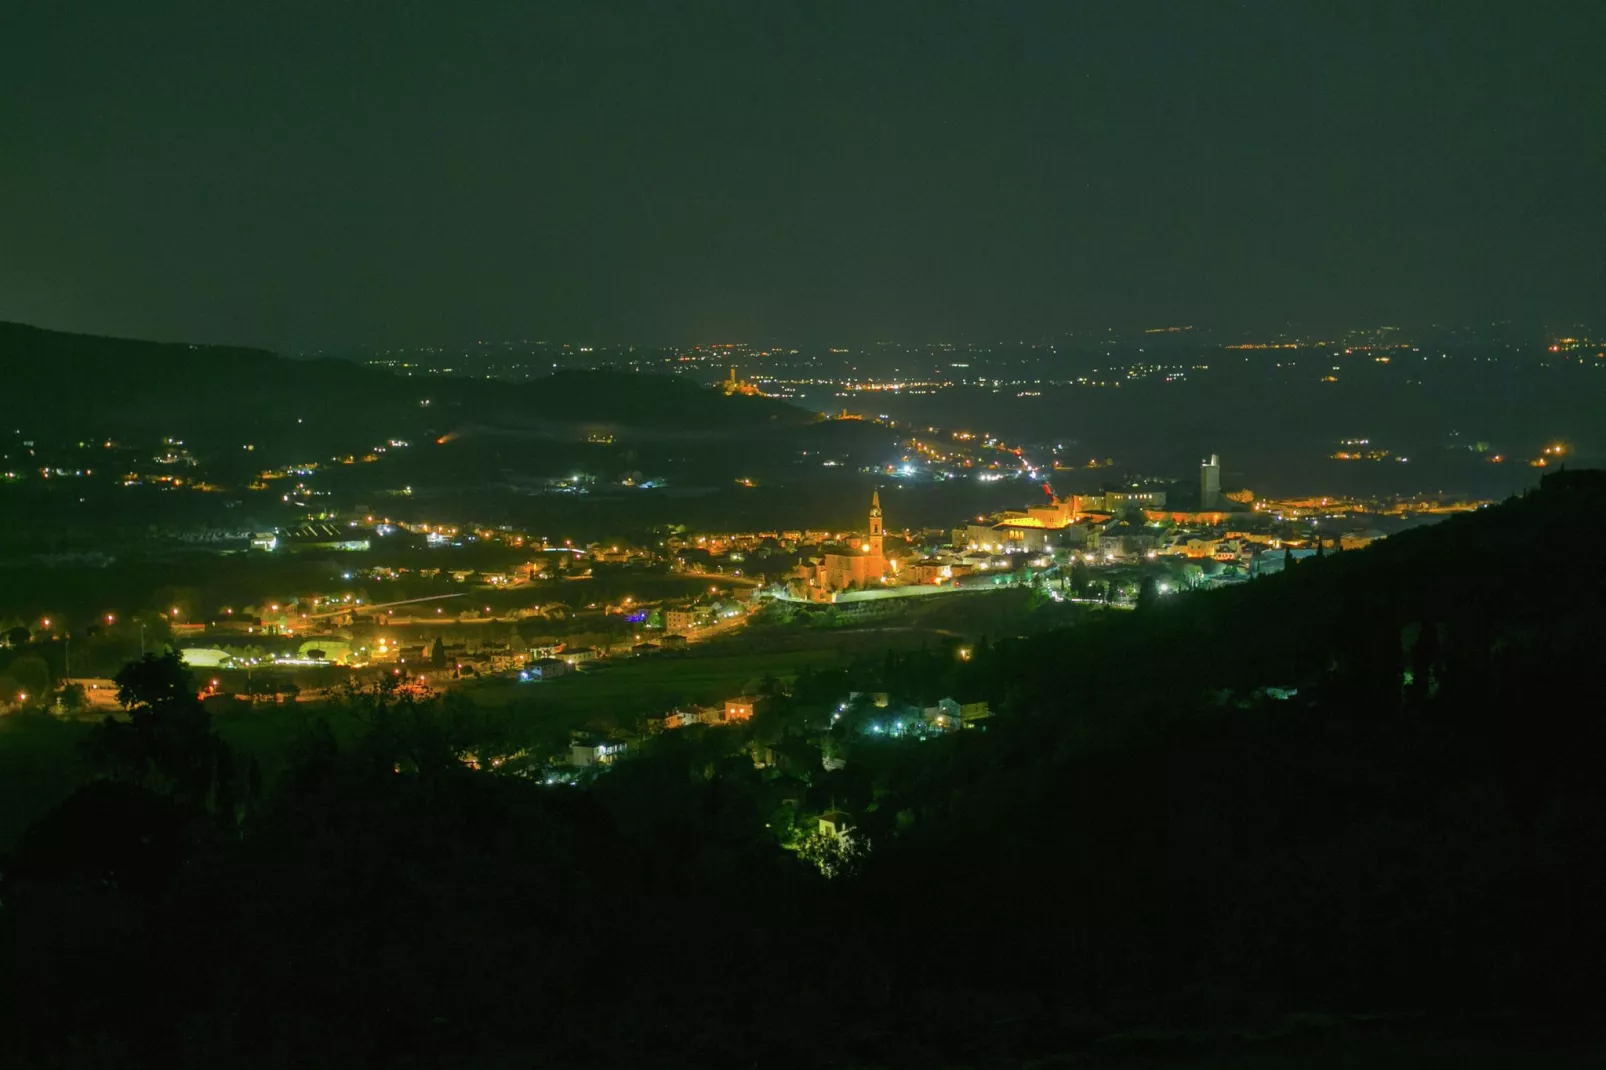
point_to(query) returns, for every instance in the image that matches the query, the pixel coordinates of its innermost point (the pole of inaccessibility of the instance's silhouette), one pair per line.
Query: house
(938, 570)
(674, 642)
(502, 659)
(1124, 539)
(590, 751)
(944, 716)
(1228, 550)
(546, 650)
(740, 708)
(685, 718)
(1198, 546)
(547, 669)
(579, 655)
(680, 620)
(835, 823)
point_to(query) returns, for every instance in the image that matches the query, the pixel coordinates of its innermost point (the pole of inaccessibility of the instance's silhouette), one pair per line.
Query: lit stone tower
(1210, 484)
(875, 524)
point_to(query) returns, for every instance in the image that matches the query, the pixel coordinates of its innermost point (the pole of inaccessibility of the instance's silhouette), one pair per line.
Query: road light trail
(382, 605)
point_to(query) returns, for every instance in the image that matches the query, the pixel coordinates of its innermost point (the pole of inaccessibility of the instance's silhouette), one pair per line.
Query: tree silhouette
(1424, 663)
(167, 742)
(32, 675)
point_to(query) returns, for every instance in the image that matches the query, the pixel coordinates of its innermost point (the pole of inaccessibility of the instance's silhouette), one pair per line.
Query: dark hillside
(98, 385)
(1368, 782)
(1369, 786)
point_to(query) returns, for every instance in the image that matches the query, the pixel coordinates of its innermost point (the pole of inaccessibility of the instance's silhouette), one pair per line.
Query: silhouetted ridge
(116, 384)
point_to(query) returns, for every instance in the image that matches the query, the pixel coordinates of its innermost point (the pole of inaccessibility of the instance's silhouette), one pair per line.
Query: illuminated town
(754, 536)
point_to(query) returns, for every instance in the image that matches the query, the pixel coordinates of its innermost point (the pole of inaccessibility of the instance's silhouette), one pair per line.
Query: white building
(1210, 484)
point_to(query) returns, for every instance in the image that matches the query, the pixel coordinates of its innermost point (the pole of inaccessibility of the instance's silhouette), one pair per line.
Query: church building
(859, 564)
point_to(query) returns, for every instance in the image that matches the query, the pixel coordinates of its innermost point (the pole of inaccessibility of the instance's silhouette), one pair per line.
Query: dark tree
(167, 741)
(1424, 662)
(32, 675)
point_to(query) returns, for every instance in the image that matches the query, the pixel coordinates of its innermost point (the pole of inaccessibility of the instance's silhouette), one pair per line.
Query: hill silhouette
(104, 385)
(1366, 786)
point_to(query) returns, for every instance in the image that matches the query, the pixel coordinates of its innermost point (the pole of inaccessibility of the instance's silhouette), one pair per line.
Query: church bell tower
(875, 523)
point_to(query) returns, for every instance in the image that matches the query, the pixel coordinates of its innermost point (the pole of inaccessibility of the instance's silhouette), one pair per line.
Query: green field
(604, 587)
(39, 762)
(615, 693)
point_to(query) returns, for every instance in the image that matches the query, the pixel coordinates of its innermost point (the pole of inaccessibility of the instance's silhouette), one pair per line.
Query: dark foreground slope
(1147, 860)
(1420, 824)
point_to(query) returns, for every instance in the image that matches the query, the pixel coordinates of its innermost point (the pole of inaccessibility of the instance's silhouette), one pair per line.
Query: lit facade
(1210, 484)
(858, 564)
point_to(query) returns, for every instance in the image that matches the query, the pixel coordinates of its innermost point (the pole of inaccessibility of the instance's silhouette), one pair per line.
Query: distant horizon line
(1281, 331)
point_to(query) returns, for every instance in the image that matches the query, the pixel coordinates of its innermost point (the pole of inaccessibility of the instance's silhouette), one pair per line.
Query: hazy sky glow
(287, 174)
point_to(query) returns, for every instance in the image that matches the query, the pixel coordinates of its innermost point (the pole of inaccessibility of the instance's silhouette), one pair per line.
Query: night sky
(291, 175)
